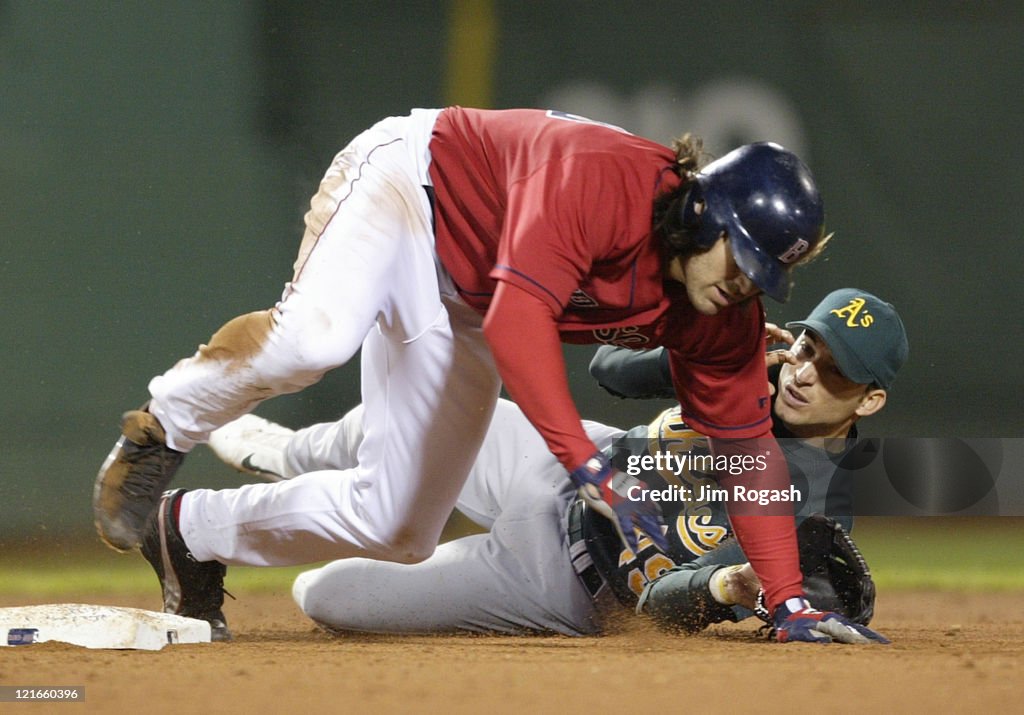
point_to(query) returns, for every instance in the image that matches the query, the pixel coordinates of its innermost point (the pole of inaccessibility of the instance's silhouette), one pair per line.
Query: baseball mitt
(836, 576)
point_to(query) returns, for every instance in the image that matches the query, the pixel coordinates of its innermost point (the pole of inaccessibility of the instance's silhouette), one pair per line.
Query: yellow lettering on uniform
(636, 581)
(697, 532)
(709, 535)
(657, 565)
(688, 541)
(627, 555)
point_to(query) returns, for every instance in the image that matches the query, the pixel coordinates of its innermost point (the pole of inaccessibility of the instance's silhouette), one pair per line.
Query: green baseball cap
(864, 333)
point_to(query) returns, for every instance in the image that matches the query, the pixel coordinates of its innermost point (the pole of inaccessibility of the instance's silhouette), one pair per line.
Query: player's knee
(317, 599)
(407, 544)
(239, 338)
(302, 589)
(296, 341)
(405, 551)
(323, 349)
(311, 338)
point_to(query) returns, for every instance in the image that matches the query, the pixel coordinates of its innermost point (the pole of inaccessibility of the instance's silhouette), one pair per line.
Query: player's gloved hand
(608, 491)
(803, 623)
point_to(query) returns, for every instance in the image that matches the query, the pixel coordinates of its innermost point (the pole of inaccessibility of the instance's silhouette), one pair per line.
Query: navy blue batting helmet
(765, 200)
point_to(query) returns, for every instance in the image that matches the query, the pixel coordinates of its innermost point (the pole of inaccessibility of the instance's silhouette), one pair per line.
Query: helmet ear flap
(693, 208)
(704, 228)
(686, 224)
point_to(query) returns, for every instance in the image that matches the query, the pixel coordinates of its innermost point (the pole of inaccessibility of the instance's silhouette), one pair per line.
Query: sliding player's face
(713, 280)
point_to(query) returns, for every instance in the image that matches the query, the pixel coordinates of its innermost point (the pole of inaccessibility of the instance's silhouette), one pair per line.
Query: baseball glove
(836, 576)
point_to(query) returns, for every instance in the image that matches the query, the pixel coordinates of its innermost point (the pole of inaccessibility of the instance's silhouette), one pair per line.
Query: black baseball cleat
(191, 588)
(131, 480)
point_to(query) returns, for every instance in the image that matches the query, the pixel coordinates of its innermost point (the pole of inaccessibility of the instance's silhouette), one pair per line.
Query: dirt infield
(951, 653)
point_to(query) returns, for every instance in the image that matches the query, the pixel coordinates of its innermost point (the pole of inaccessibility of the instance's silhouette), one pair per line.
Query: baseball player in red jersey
(456, 248)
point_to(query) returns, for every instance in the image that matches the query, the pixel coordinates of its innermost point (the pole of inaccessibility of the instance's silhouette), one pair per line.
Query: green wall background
(156, 157)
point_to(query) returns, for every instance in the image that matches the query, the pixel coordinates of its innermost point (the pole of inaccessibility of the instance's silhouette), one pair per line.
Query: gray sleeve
(638, 374)
(681, 599)
(727, 554)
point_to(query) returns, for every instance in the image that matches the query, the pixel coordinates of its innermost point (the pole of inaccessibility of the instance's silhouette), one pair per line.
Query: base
(93, 626)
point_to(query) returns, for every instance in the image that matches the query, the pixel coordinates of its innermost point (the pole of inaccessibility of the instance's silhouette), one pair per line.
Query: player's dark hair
(667, 215)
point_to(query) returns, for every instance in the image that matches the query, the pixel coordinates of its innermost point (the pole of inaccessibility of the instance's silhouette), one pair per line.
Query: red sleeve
(767, 534)
(523, 337)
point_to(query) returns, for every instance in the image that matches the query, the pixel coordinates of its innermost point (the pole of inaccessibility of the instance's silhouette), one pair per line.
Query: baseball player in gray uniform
(455, 249)
(545, 560)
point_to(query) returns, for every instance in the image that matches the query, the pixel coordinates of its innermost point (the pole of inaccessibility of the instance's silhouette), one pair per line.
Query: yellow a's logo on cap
(852, 312)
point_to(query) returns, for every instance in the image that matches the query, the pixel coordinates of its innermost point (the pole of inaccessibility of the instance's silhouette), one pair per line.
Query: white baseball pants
(367, 276)
(517, 578)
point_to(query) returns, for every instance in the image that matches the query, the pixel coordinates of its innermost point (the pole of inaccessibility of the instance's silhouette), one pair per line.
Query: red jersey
(557, 205)
(561, 207)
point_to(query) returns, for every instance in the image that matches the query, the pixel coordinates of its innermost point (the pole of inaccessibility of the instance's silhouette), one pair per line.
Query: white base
(98, 626)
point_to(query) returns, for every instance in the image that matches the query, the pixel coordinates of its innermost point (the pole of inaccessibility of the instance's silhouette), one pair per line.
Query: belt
(432, 200)
(581, 561)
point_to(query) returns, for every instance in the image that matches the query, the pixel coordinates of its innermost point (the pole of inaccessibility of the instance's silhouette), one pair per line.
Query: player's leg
(514, 456)
(512, 453)
(511, 459)
(368, 217)
(518, 578)
(428, 379)
(421, 437)
(271, 451)
(329, 445)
